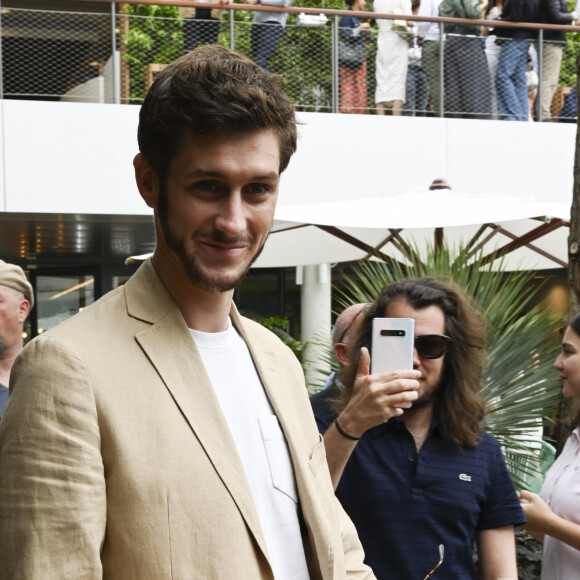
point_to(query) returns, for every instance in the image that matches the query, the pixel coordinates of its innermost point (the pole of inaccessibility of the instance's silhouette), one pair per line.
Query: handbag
(351, 54)
(401, 27)
(311, 20)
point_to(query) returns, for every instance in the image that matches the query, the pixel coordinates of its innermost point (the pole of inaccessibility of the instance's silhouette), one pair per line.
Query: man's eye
(205, 185)
(257, 188)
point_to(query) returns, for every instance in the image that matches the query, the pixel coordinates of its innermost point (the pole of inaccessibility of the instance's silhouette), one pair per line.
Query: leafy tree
(155, 36)
(569, 55)
(303, 56)
(279, 326)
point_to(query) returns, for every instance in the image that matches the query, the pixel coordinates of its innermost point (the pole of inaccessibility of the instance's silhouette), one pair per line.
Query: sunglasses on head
(431, 345)
(349, 326)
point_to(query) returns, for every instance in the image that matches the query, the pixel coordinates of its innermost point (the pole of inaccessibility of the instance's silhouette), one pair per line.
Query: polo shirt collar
(396, 424)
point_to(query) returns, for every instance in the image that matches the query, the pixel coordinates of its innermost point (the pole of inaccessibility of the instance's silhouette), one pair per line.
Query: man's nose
(416, 359)
(231, 219)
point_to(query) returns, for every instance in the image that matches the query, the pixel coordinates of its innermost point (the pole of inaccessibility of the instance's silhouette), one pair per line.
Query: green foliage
(279, 325)
(155, 36)
(303, 56)
(519, 386)
(568, 76)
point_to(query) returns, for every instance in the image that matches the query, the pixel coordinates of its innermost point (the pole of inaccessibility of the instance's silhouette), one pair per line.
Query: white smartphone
(392, 344)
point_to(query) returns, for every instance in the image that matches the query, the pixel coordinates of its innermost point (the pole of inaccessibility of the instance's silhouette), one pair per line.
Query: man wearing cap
(16, 301)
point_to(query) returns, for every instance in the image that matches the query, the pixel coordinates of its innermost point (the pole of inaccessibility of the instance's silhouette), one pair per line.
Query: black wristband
(343, 432)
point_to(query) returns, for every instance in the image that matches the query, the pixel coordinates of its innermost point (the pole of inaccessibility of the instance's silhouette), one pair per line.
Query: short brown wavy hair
(459, 406)
(212, 91)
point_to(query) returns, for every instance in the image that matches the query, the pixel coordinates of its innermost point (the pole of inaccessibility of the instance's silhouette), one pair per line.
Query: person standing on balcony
(16, 301)
(554, 515)
(159, 434)
(552, 12)
(392, 58)
(417, 88)
(353, 79)
(200, 25)
(467, 80)
(428, 33)
(492, 48)
(510, 81)
(267, 30)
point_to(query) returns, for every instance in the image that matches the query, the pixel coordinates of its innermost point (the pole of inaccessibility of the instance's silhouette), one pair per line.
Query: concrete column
(315, 321)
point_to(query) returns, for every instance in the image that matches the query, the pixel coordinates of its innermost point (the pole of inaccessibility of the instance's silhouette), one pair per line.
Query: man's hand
(377, 398)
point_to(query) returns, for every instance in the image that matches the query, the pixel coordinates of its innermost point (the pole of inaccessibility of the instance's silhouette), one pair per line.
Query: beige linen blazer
(116, 461)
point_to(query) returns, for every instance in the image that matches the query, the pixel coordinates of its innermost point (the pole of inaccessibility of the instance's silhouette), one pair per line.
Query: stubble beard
(427, 398)
(3, 346)
(196, 274)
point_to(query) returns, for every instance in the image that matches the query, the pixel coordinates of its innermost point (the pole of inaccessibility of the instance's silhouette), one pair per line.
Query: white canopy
(533, 234)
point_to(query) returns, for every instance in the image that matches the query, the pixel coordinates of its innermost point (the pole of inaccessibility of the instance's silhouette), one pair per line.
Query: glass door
(60, 296)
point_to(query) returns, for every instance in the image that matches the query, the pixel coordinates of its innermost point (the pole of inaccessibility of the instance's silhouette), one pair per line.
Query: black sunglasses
(431, 345)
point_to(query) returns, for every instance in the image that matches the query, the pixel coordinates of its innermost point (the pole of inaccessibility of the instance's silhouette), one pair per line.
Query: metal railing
(113, 56)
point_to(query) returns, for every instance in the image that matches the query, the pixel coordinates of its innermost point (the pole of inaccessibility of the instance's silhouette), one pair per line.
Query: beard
(2, 346)
(427, 397)
(197, 275)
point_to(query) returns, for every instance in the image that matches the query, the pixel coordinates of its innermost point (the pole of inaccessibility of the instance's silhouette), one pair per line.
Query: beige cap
(13, 276)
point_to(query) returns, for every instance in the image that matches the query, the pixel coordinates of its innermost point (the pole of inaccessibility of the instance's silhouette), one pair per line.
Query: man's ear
(23, 310)
(147, 180)
(341, 353)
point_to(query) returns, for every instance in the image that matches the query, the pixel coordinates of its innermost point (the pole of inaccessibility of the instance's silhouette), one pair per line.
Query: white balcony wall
(77, 158)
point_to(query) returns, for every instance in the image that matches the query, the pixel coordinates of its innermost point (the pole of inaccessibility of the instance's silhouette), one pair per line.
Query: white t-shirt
(561, 490)
(261, 446)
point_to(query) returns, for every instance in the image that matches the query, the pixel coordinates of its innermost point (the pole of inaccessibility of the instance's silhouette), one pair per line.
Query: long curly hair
(459, 406)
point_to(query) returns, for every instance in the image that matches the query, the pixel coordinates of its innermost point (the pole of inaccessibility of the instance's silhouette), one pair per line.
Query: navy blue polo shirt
(405, 504)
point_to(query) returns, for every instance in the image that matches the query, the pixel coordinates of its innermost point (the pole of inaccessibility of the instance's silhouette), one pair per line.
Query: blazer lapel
(273, 376)
(169, 346)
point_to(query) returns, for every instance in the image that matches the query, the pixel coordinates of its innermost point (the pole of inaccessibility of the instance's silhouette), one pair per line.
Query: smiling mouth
(224, 245)
(225, 252)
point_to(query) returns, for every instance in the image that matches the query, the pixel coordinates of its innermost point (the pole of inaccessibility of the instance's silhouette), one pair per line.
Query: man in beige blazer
(128, 445)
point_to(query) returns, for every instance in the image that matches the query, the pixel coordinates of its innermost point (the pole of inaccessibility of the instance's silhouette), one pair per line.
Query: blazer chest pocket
(279, 460)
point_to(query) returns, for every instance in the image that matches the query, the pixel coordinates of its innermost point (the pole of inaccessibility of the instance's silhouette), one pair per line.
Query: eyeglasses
(431, 345)
(441, 550)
